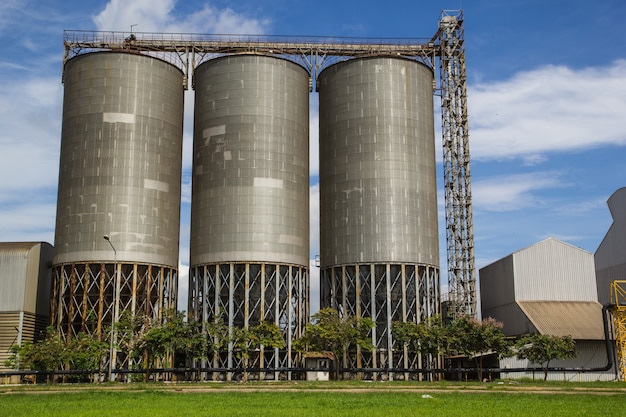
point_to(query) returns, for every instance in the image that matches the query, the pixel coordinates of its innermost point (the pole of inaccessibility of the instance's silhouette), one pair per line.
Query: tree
(329, 331)
(174, 336)
(474, 339)
(263, 334)
(85, 353)
(429, 338)
(541, 349)
(130, 330)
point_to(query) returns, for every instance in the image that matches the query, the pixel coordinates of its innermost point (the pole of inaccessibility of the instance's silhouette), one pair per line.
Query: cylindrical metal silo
(378, 197)
(120, 176)
(250, 198)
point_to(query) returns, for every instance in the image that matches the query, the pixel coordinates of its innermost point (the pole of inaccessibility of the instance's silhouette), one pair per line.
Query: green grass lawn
(308, 400)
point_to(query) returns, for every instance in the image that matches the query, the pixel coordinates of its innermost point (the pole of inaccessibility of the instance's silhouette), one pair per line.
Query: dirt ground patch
(290, 387)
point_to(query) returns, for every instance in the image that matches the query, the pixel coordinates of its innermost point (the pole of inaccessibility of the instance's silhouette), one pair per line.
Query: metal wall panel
(589, 354)
(378, 197)
(250, 197)
(121, 160)
(497, 284)
(610, 258)
(555, 271)
(512, 317)
(25, 277)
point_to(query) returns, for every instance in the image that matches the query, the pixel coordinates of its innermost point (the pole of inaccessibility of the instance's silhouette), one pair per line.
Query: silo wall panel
(377, 163)
(250, 193)
(121, 160)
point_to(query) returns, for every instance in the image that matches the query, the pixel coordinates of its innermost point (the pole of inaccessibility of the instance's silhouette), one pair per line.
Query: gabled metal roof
(582, 320)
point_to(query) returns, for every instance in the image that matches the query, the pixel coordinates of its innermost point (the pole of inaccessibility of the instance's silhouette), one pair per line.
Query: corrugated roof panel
(580, 320)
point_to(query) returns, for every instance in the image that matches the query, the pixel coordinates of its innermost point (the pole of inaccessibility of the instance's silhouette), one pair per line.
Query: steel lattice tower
(456, 160)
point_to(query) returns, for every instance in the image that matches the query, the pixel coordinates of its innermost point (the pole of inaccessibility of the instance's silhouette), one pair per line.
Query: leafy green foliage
(541, 349)
(328, 331)
(263, 334)
(174, 335)
(429, 337)
(218, 336)
(267, 335)
(130, 330)
(474, 338)
(52, 353)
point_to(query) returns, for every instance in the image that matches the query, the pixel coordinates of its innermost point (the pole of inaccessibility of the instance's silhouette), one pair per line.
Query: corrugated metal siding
(9, 321)
(497, 285)
(250, 196)
(591, 354)
(32, 326)
(12, 279)
(378, 195)
(25, 277)
(556, 271)
(121, 156)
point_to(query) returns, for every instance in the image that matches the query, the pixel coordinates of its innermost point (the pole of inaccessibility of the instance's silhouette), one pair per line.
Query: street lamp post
(114, 309)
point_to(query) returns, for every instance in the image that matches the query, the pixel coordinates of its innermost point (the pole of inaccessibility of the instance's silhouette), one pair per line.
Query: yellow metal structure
(618, 297)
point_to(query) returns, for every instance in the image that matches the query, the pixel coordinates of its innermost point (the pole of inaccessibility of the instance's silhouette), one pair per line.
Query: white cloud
(552, 108)
(8, 10)
(30, 116)
(27, 220)
(581, 208)
(512, 192)
(160, 16)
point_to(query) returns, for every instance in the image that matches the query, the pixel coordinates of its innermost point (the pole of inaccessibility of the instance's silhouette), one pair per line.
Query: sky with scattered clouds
(546, 101)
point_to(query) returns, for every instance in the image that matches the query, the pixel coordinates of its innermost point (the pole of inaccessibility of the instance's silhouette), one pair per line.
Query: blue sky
(546, 86)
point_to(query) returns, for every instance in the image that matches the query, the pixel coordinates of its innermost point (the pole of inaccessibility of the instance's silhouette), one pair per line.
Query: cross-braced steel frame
(243, 295)
(386, 293)
(618, 298)
(446, 47)
(88, 297)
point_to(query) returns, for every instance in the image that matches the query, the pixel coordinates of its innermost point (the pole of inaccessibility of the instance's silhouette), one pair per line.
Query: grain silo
(378, 209)
(250, 201)
(118, 209)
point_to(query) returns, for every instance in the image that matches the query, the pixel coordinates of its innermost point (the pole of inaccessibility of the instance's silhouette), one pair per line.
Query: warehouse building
(24, 293)
(548, 288)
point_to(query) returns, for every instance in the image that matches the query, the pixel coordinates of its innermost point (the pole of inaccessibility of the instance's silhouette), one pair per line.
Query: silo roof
(582, 320)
